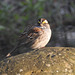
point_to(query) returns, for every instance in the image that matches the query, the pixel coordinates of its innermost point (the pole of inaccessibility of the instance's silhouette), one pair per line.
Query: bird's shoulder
(33, 32)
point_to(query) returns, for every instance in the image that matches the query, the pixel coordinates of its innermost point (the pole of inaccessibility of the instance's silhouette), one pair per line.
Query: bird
(36, 37)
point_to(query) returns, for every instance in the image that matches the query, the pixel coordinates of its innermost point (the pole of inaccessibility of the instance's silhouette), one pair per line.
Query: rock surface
(46, 61)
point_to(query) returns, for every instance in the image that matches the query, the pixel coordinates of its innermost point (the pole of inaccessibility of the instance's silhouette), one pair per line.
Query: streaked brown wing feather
(28, 38)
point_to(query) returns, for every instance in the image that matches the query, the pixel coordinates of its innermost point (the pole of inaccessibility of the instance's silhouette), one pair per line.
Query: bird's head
(43, 23)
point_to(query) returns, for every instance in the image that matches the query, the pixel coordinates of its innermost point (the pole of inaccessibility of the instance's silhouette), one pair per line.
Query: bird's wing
(28, 38)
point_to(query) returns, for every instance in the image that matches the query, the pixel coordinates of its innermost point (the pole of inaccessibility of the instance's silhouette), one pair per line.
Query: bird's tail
(9, 54)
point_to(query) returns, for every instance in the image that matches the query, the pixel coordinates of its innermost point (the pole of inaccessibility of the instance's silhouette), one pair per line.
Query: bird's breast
(42, 40)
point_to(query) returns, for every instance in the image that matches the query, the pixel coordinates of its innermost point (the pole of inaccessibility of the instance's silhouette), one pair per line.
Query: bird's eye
(45, 21)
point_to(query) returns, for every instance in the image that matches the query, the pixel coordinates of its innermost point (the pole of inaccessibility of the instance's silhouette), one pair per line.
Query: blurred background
(15, 15)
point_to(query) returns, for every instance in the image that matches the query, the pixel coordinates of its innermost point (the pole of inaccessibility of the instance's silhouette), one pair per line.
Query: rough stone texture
(46, 61)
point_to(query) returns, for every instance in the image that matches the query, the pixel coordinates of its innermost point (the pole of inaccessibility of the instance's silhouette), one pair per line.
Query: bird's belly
(43, 40)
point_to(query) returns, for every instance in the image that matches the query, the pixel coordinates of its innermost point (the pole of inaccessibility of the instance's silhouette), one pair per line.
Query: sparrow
(36, 37)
